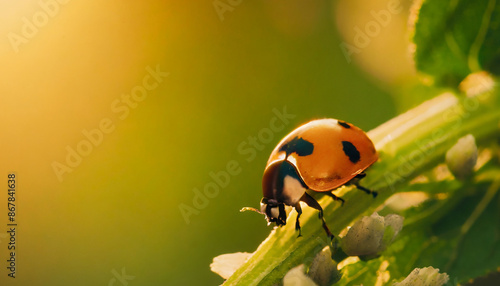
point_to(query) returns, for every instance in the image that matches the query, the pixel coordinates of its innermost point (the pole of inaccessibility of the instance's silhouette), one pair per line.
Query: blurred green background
(68, 66)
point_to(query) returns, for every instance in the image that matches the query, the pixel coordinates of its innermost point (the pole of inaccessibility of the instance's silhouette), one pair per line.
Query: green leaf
(463, 251)
(454, 38)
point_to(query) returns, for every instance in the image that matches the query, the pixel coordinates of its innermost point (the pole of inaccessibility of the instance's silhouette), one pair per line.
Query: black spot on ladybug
(351, 151)
(298, 145)
(343, 124)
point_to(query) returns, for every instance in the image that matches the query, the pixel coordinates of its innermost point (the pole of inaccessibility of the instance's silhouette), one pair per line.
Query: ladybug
(320, 156)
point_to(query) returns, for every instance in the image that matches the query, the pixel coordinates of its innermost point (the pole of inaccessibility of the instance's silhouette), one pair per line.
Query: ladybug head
(282, 189)
(274, 211)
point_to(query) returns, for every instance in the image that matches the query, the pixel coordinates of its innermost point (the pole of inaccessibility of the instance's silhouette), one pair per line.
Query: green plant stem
(408, 145)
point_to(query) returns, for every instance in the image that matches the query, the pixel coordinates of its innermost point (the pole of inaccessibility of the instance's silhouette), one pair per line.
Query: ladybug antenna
(251, 209)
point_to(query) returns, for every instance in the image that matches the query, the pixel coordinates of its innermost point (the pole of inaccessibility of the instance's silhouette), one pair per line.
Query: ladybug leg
(297, 223)
(356, 183)
(335, 198)
(368, 191)
(310, 201)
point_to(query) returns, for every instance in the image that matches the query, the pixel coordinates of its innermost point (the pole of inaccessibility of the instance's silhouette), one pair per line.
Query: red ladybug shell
(339, 152)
